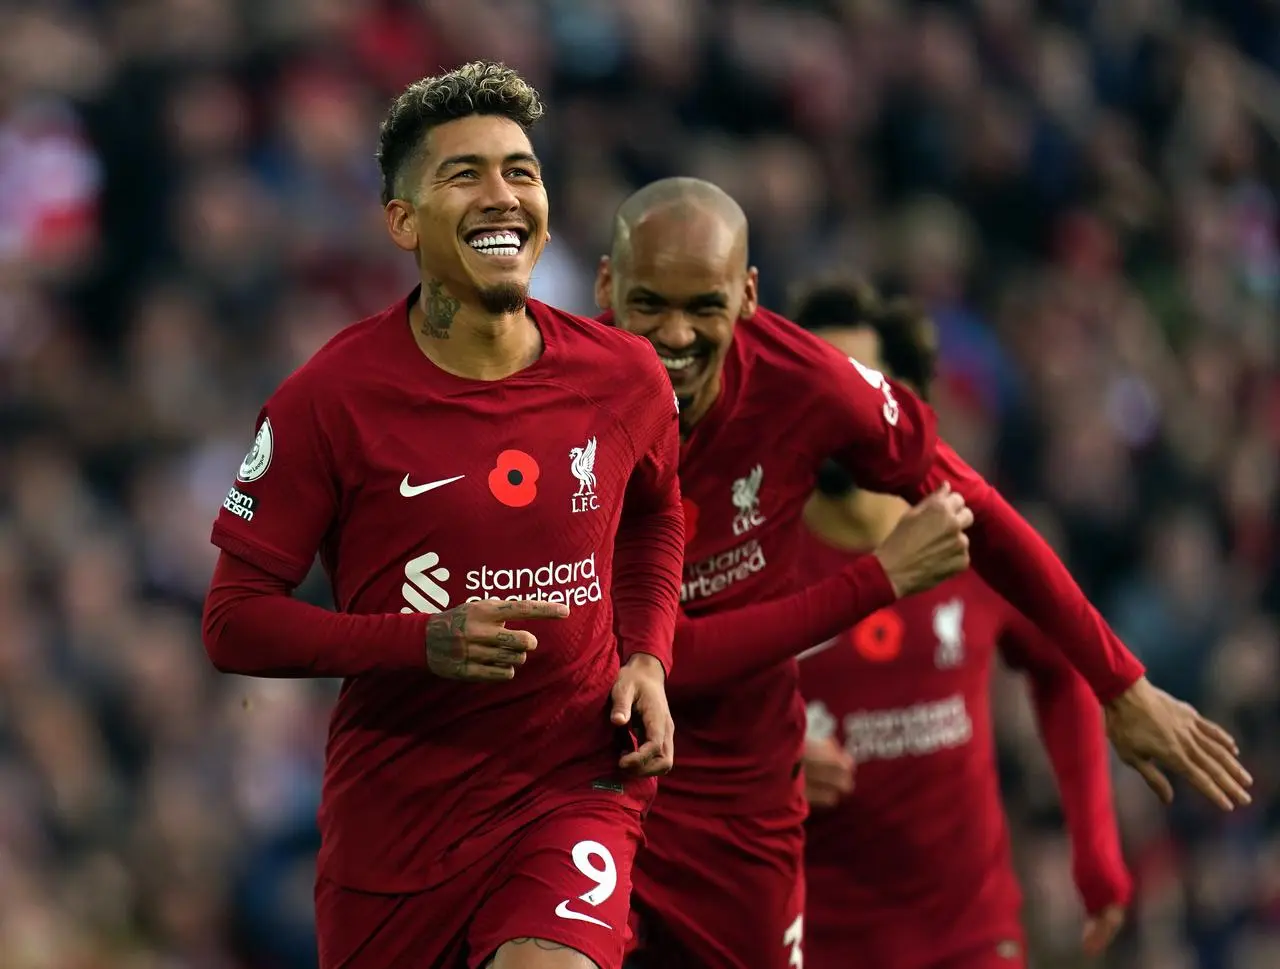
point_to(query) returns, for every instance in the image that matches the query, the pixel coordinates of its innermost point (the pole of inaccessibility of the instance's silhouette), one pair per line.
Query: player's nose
(496, 194)
(675, 332)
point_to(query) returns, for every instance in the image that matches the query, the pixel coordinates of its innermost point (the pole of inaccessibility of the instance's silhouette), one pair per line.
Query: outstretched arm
(886, 437)
(1147, 726)
(1018, 564)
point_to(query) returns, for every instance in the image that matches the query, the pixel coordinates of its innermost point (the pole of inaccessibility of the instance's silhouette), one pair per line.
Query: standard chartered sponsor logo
(914, 731)
(573, 583)
(424, 587)
(715, 574)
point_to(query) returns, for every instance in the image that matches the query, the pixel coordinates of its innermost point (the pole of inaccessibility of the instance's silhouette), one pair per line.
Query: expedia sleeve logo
(256, 462)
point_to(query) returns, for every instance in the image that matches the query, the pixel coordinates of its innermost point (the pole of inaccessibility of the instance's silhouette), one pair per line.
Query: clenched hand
(471, 642)
(928, 544)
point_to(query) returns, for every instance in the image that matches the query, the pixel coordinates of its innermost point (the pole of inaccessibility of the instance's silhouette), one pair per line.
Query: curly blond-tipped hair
(481, 87)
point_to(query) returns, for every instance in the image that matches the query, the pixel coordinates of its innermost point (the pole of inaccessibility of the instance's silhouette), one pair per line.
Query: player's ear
(751, 294)
(604, 285)
(402, 224)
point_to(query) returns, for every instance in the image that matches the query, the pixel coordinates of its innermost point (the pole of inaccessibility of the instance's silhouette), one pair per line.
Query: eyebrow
(707, 299)
(454, 161)
(693, 302)
(639, 292)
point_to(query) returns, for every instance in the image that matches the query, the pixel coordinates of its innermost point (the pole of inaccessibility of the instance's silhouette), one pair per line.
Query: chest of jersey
(907, 680)
(742, 509)
(504, 495)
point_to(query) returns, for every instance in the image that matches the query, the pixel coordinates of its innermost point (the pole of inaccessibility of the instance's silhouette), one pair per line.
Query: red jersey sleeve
(648, 556)
(253, 626)
(887, 439)
(883, 434)
(285, 496)
(1071, 726)
(282, 504)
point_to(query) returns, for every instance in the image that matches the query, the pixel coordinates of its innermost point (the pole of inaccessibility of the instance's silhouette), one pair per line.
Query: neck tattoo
(440, 309)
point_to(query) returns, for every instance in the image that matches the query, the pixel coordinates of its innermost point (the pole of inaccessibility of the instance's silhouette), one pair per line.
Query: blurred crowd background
(1082, 192)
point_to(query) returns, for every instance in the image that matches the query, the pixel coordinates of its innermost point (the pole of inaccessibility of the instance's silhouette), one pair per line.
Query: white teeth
(497, 244)
(678, 363)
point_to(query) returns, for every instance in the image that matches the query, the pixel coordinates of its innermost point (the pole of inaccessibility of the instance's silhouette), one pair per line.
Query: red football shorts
(565, 877)
(719, 893)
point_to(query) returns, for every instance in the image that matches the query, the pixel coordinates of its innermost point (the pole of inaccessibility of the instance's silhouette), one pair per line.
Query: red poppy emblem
(878, 638)
(690, 521)
(514, 480)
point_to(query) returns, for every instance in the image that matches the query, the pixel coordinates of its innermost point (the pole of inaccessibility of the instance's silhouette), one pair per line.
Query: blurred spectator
(1082, 192)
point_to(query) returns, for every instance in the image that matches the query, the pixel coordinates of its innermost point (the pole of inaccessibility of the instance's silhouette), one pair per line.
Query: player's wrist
(1102, 880)
(1136, 697)
(648, 664)
(898, 583)
(872, 585)
(406, 646)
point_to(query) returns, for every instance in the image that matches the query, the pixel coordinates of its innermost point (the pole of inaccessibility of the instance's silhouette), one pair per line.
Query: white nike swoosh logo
(565, 912)
(411, 491)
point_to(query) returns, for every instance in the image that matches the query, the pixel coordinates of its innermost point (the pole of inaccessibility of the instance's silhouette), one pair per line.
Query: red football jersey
(421, 490)
(914, 865)
(788, 402)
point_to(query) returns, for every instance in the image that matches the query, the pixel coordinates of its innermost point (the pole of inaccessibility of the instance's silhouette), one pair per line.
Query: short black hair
(908, 342)
(480, 87)
(835, 304)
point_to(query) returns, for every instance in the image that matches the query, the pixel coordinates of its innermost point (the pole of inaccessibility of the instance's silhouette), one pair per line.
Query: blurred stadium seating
(1083, 192)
